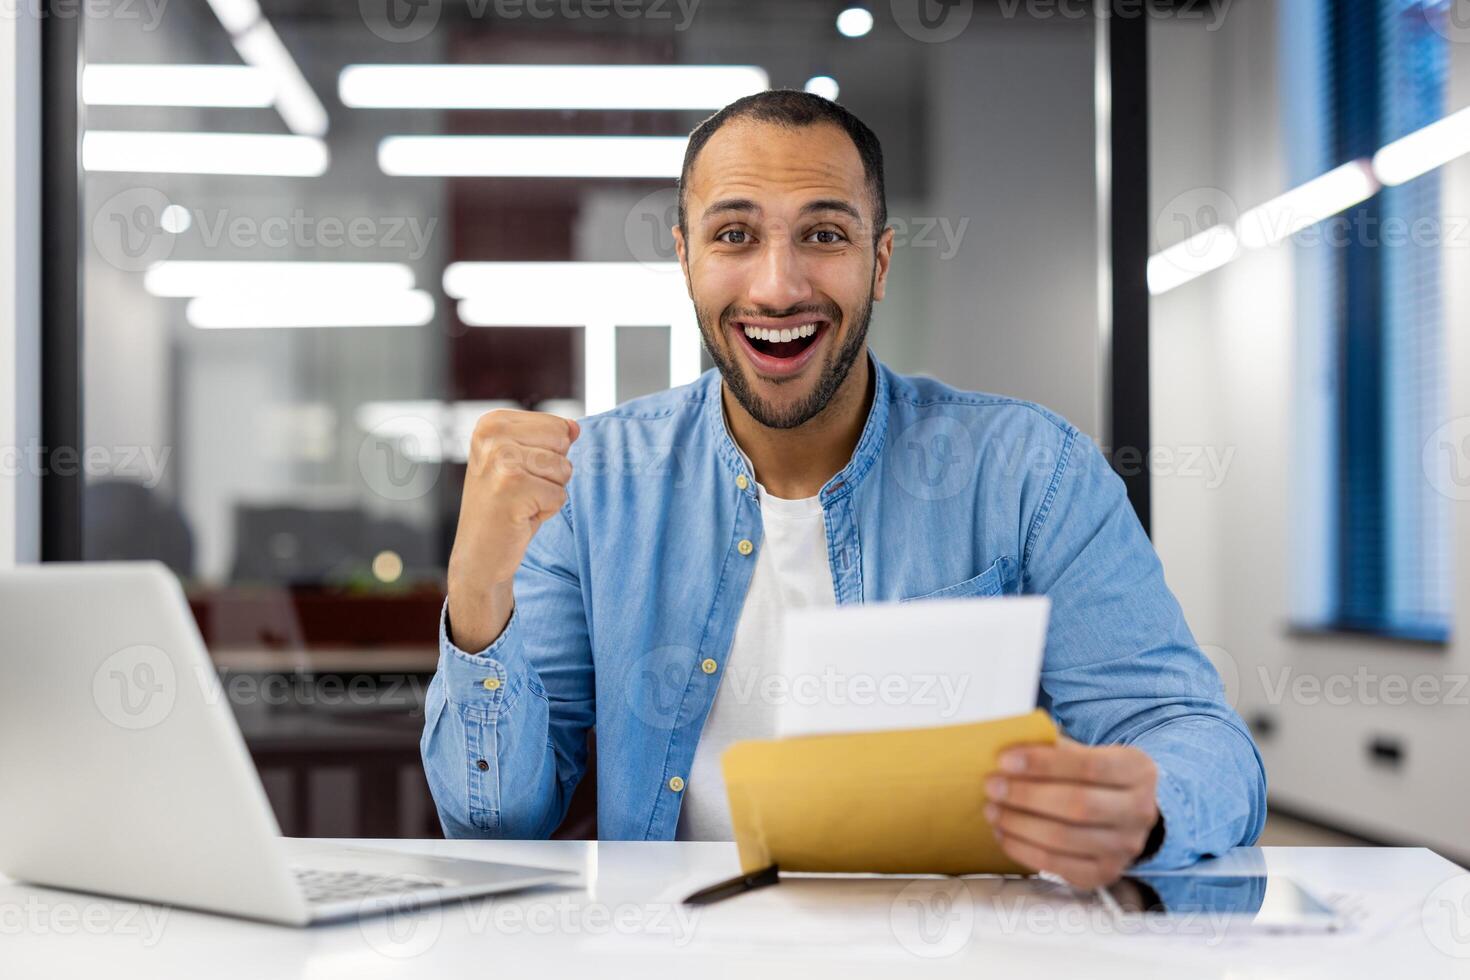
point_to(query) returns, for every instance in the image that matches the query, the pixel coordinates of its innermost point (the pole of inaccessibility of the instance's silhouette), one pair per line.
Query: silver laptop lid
(122, 770)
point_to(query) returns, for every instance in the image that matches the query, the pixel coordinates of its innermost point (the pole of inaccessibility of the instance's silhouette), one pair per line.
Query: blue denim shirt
(626, 606)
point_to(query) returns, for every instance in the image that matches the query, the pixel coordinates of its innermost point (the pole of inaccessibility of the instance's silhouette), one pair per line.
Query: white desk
(627, 922)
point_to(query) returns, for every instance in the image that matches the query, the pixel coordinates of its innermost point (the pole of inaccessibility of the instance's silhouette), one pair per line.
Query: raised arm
(508, 711)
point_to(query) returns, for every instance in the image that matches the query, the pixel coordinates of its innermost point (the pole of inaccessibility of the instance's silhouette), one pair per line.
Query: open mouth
(781, 342)
(781, 347)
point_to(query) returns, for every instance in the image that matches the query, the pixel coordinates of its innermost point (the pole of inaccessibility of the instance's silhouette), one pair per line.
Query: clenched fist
(516, 479)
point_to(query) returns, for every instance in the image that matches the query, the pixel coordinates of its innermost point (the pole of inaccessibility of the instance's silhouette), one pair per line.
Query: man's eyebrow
(741, 205)
(732, 205)
(832, 204)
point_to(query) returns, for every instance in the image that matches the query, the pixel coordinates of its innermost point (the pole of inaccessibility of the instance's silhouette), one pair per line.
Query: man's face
(781, 264)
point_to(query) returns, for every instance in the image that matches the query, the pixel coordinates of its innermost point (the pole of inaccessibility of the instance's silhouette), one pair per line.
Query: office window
(1372, 531)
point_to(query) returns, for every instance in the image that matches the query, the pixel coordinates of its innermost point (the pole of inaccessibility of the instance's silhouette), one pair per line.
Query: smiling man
(643, 595)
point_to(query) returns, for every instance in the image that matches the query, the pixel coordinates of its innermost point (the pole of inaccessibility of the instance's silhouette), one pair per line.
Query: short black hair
(791, 108)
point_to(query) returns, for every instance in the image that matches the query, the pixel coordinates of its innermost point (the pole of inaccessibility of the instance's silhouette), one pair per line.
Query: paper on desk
(898, 802)
(910, 665)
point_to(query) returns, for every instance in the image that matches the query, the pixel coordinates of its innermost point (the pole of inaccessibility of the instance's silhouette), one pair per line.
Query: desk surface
(1406, 907)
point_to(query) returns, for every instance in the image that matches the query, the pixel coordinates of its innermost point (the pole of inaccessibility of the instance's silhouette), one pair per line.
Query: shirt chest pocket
(998, 579)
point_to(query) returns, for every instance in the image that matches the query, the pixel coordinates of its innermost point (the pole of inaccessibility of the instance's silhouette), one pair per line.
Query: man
(802, 472)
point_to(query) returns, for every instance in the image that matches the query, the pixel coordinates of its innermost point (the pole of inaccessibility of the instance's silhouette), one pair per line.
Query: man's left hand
(1083, 812)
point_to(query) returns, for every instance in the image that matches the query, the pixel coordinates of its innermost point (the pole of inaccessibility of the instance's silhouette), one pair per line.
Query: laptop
(123, 771)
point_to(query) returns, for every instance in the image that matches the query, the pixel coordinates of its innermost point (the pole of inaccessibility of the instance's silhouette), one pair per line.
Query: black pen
(736, 886)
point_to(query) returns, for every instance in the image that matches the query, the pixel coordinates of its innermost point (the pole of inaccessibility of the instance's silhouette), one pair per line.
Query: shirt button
(492, 683)
(481, 765)
(677, 784)
(745, 547)
(709, 666)
(741, 481)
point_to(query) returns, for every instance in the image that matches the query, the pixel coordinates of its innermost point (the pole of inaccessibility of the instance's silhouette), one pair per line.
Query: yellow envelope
(894, 802)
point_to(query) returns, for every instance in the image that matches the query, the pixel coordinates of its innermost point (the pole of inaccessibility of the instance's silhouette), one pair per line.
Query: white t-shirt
(791, 572)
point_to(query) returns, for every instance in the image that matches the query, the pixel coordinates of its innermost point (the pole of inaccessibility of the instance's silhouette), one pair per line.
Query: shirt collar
(869, 444)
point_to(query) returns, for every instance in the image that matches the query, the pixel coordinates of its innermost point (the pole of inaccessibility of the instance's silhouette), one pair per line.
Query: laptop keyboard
(335, 886)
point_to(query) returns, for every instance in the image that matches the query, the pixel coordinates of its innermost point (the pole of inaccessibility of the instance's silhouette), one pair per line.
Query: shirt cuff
(1175, 851)
(490, 680)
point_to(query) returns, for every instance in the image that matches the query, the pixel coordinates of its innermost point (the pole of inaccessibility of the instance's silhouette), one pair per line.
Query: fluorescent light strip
(547, 86)
(1191, 258)
(236, 15)
(580, 286)
(262, 154)
(523, 310)
(311, 308)
(1424, 149)
(599, 366)
(552, 294)
(1272, 222)
(208, 86)
(598, 296)
(532, 156)
(1337, 190)
(258, 45)
(194, 278)
(298, 105)
(1304, 206)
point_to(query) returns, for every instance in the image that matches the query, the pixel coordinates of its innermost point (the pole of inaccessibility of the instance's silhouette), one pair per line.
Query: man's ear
(681, 249)
(883, 256)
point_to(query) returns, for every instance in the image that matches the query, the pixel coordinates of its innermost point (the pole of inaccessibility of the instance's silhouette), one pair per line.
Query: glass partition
(319, 240)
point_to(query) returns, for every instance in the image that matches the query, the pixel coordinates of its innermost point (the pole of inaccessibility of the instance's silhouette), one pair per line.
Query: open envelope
(892, 802)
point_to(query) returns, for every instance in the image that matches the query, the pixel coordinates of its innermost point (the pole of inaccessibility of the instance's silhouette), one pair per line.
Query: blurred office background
(1326, 572)
(318, 239)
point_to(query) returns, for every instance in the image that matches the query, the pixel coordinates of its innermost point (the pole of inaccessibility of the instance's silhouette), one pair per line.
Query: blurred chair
(305, 601)
(286, 545)
(126, 521)
(321, 546)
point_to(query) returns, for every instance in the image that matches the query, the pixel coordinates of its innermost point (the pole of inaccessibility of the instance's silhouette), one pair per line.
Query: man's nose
(780, 280)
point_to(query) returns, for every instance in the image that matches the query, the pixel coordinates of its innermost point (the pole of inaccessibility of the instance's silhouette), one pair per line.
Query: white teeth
(781, 336)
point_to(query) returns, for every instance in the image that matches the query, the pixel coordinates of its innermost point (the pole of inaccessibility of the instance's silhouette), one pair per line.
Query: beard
(834, 369)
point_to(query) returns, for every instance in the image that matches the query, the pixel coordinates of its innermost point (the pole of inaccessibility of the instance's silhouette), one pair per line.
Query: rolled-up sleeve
(1123, 668)
(505, 728)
